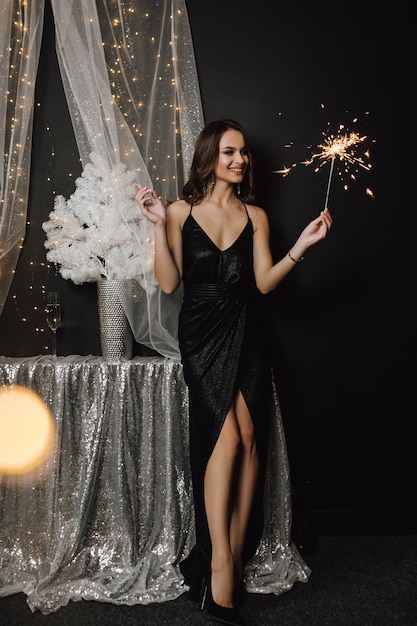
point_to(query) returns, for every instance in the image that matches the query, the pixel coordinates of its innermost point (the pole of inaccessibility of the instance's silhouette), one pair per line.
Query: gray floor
(356, 580)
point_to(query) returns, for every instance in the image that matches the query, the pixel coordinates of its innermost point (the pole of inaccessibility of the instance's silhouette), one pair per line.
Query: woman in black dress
(217, 243)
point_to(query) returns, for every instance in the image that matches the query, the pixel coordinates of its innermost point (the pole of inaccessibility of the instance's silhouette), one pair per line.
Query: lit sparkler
(344, 146)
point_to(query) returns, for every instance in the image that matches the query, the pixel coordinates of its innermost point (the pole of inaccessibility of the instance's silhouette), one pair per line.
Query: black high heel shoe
(239, 592)
(193, 569)
(220, 613)
(197, 591)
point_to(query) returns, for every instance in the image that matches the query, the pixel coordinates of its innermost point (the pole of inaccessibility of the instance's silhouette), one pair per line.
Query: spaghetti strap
(246, 209)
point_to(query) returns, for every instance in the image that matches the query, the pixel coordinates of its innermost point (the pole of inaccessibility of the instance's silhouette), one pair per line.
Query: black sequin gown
(222, 351)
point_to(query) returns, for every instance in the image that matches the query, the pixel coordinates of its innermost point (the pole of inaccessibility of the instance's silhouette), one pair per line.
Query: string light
(120, 44)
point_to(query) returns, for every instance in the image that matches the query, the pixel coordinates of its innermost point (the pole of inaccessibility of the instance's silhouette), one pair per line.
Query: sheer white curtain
(131, 83)
(21, 24)
(130, 79)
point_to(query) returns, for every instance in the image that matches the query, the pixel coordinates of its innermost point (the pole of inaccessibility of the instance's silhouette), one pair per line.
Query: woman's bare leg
(228, 491)
(245, 485)
(218, 484)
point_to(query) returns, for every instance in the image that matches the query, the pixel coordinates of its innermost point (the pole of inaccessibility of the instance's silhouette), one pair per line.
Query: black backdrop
(342, 326)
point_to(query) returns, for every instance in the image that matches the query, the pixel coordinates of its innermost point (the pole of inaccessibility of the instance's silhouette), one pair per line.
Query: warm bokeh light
(26, 430)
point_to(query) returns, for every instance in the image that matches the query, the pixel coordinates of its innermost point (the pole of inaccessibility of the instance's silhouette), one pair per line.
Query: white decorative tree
(99, 233)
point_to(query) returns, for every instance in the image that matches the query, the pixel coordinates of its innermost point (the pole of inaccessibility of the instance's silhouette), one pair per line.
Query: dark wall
(342, 326)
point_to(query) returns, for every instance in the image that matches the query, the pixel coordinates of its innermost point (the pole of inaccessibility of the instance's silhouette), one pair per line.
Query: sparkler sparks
(344, 146)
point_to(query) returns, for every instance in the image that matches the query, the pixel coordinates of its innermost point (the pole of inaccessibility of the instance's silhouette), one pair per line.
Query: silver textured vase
(116, 337)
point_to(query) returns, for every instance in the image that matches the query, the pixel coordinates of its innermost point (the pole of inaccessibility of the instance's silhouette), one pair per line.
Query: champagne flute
(53, 315)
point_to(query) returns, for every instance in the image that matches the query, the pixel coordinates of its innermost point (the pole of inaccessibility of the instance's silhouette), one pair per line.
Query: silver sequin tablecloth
(113, 515)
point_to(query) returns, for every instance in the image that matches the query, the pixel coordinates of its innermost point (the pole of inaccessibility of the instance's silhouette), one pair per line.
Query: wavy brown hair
(206, 153)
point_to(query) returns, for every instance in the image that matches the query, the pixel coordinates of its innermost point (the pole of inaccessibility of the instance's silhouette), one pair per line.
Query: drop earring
(209, 186)
(238, 189)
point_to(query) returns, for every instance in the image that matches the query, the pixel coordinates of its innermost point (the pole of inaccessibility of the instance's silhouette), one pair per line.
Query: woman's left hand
(317, 230)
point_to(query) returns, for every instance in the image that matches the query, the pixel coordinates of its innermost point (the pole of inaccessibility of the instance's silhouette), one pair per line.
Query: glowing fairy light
(345, 147)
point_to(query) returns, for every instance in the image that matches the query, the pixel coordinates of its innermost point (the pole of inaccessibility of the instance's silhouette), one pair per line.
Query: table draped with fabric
(109, 515)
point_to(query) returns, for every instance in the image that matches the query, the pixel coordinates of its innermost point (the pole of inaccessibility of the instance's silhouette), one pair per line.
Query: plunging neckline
(211, 240)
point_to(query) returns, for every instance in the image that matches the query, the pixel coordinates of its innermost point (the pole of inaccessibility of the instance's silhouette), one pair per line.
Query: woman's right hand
(154, 210)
